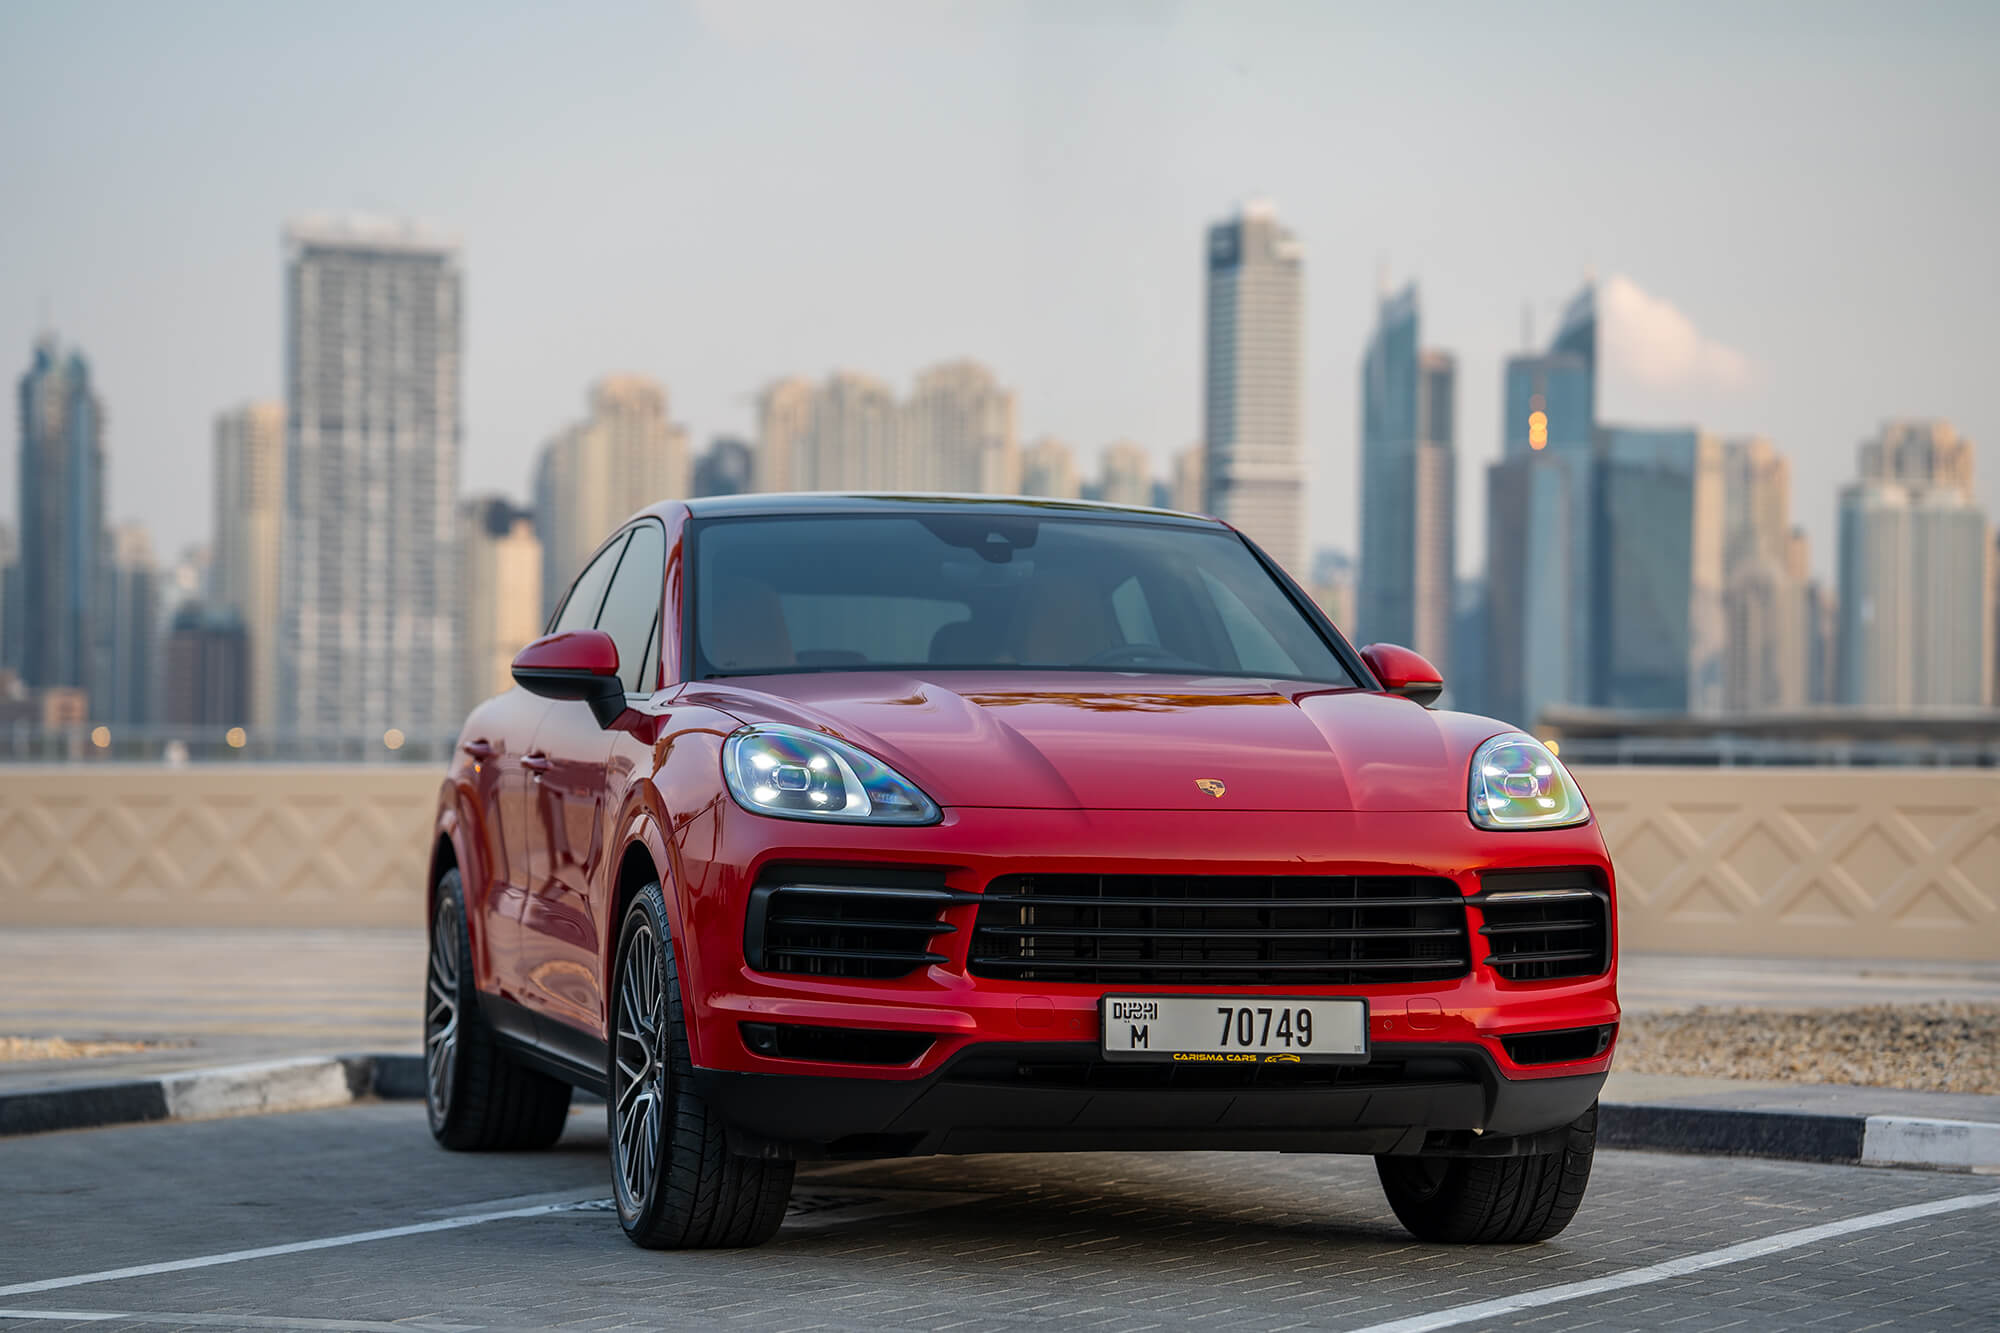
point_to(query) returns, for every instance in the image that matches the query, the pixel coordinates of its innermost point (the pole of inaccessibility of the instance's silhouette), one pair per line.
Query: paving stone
(1102, 1241)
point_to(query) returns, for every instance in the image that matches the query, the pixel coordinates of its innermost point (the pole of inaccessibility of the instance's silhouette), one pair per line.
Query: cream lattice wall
(1901, 863)
(228, 844)
(1851, 862)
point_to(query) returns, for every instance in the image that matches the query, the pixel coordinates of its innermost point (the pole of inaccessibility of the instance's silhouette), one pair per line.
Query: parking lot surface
(1102, 1241)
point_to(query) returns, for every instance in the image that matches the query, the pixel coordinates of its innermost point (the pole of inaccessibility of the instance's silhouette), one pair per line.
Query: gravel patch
(1921, 1047)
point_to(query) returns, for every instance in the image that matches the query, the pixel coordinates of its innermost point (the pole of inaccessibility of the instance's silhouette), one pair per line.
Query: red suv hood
(1096, 741)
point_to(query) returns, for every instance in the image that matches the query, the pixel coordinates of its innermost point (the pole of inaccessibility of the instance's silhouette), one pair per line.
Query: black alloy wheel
(676, 1183)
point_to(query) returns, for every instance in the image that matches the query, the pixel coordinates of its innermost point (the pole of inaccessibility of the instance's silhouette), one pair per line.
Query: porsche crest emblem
(1213, 786)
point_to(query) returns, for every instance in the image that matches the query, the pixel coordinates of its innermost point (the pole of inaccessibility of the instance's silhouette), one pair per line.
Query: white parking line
(1671, 1268)
(273, 1251)
(181, 1320)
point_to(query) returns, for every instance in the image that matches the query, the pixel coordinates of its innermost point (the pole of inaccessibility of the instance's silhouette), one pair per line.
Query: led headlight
(799, 774)
(1518, 784)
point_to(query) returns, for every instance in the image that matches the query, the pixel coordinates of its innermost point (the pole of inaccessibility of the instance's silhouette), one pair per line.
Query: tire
(479, 1097)
(1492, 1200)
(678, 1186)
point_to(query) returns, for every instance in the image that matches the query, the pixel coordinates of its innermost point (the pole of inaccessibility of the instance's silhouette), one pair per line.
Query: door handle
(479, 750)
(537, 762)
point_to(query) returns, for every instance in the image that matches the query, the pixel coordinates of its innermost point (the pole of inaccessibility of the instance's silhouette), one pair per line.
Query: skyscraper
(1767, 636)
(594, 474)
(784, 419)
(958, 435)
(130, 604)
(207, 669)
(956, 432)
(1540, 526)
(1048, 467)
(1658, 571)
(1125, 475)
(248, 541)
(1185, 489)
(852, 439)
(1408, 485)
(500, 598)
(367, 611)
(1253, 435)
(727, 467)
(60, 580)
(1916, 629)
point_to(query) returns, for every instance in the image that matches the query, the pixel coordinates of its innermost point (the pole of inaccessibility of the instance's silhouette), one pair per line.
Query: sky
(1791, 208)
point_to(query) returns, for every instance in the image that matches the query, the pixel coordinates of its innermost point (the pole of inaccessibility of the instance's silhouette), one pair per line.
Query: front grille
(1334, 930)
(845, 921)
(1542, 925)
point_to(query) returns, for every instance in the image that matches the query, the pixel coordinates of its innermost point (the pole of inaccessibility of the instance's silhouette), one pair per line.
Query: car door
(518, 767)
(576, 795)
(495, 738)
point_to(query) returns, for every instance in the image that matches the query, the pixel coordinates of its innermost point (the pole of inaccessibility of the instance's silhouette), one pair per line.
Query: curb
(318, 1083)
(1801, 1136)
(309, 1084)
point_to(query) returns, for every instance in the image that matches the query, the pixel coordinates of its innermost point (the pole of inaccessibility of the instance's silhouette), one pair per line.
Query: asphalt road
(145, 1228)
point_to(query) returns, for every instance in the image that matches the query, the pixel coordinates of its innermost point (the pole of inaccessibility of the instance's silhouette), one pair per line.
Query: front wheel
(677, 1184)
(1492, 1200)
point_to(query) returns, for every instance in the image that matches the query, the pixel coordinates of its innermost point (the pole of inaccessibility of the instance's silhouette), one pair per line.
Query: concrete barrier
(1857, 863)
(214, 844)
(1822, 862)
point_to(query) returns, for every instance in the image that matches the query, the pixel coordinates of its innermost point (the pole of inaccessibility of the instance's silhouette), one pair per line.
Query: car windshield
(850, 592)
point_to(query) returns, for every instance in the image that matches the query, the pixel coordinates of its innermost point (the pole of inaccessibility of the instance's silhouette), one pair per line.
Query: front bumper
(931, 1104)
(1433, 1098)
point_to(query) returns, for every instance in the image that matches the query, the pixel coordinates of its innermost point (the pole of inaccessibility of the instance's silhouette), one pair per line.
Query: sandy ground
(1949, 1047)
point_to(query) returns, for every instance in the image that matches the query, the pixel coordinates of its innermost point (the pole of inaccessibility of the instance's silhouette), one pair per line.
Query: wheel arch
(643, 859)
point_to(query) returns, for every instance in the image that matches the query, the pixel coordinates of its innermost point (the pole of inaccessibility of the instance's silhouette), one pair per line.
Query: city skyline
(1045, 236)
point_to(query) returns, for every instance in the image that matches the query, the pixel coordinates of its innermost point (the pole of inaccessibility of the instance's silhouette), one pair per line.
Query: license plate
(1210, 1029)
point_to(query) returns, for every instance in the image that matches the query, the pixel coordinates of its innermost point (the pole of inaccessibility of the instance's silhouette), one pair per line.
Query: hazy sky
(1795, 209)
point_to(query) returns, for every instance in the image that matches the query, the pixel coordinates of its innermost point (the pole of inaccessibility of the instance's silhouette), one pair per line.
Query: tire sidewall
(449, 890)
(648, 909)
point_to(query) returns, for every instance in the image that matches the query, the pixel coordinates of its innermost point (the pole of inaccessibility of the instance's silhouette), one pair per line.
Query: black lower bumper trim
(1413, 1098)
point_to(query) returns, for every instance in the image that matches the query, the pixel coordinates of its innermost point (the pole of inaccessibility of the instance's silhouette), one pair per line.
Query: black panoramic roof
(849, 502)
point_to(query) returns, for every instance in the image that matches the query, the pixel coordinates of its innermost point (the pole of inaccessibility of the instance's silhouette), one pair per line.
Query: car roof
(890, 502)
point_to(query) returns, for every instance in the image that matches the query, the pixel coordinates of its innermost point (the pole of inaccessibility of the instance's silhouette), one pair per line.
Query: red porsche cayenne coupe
(858, 826)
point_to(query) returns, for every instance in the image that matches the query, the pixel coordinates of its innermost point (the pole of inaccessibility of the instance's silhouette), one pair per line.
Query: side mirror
(577, 664)
(1404, 672)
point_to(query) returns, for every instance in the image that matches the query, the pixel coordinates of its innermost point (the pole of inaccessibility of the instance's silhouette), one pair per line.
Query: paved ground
(1110, 1242)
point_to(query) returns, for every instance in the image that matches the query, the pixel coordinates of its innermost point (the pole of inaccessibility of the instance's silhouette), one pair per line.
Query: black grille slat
(1545, 956)
(1221, 929)
(1230, 964)
(1198, 932)
(873, 923)
(838, 923)
(1545, 925)
(1518, 927)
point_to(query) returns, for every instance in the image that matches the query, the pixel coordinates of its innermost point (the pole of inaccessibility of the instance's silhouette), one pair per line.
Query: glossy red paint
(545, 812)
(587, 652)
(1404, 671)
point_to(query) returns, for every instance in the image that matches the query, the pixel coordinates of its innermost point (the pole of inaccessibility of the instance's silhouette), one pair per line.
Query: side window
(587, 593)
(632, 607)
